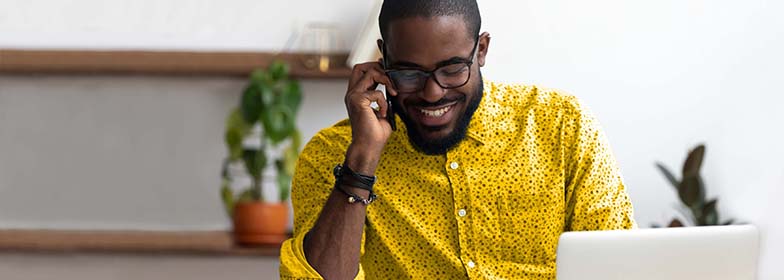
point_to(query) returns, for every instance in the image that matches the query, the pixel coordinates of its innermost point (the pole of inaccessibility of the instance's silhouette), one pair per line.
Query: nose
(432, 92)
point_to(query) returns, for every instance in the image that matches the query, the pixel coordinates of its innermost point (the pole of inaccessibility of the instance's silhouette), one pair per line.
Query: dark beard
(446, 143)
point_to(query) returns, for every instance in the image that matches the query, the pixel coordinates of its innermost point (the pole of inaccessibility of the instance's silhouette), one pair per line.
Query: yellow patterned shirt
(533, 165)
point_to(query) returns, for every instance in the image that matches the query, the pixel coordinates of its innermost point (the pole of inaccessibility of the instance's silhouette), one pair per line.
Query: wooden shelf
(161, 63)
(144, 242)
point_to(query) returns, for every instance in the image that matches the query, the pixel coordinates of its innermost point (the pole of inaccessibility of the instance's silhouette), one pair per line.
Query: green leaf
(227, 195)
(702, 193)
(710, 216)
(251, 104)
(234, 143)
(259, 76)
(667, 174)
(278, 70)
(284, 182)
(290, 160)
(690, 190)
(285, 167)
(278, 123)
(693, 163)
(291, 95)
(267, 95)
(255, 161)
(284, 188)
(236, 131)
(296, 140)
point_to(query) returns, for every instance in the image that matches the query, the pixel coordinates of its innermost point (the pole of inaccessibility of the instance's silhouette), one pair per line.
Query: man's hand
(369, 127)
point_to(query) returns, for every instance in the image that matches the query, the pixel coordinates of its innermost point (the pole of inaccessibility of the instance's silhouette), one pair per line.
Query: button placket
(455, 170)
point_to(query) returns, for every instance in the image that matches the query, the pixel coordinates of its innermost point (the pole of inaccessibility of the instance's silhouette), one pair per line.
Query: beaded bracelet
(354, 198)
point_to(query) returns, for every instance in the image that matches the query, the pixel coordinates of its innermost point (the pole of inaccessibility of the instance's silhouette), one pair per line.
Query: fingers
(367, 76)
(362, 91)
(361, 103)
(371, 78)
(380, 99)
(356, 74)
(377, 96)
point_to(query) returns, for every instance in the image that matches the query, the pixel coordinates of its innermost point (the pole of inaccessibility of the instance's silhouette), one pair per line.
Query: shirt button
(454, 165)
(471, 264)
(461, 212)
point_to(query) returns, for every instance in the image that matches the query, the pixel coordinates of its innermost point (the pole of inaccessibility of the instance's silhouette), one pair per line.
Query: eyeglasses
(449, 76)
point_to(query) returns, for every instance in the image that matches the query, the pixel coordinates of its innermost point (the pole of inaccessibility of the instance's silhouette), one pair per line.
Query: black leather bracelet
(344, 174)
(368, 179)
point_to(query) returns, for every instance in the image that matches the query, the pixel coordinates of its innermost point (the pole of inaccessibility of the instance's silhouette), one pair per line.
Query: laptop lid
(715, 252)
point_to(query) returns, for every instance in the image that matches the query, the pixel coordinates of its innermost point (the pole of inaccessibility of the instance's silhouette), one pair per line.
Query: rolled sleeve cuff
(293, 264)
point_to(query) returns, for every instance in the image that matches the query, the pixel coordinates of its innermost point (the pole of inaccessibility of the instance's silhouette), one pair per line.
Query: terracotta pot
(257, 223)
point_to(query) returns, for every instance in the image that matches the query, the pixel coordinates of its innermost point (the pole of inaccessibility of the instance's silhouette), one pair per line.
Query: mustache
(443, 101)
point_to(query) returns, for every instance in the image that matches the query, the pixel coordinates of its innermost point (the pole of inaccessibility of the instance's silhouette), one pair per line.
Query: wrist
(363, 159)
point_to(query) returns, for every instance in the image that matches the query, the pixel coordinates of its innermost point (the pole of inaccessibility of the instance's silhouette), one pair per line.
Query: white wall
(124, 152)
(171, 24)
(662, 76)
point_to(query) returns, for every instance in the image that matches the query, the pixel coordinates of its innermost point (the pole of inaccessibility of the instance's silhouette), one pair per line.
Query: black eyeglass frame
(431, 74)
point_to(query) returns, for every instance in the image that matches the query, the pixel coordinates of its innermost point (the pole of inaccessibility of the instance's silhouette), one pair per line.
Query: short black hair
(393, 10)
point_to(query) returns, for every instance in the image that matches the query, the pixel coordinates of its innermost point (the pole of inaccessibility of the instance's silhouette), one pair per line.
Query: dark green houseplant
(270, 103)
(691, 191)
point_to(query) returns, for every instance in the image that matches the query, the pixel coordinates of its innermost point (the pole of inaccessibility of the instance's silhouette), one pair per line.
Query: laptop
(715, 252)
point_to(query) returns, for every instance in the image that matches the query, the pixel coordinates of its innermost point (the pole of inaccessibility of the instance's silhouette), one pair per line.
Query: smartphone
(390, 111)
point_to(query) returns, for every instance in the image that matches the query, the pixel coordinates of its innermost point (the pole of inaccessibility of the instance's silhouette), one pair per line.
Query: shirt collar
(478, 128)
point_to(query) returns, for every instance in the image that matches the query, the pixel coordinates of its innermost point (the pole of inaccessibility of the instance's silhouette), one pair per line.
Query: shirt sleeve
(595, 193)
(311, 186)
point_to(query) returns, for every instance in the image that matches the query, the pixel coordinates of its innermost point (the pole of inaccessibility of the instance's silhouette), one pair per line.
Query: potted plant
(269, 107)
(695, 207)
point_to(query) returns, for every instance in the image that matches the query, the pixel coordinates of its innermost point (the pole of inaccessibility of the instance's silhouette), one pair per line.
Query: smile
(437, 112)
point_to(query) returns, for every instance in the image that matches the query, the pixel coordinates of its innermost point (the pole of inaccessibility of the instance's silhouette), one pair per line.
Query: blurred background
(141, 151)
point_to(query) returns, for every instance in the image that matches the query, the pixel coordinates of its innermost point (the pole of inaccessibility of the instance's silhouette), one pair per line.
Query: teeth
(435, 113)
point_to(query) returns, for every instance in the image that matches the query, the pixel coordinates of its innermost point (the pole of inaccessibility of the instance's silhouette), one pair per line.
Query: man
(478, 181)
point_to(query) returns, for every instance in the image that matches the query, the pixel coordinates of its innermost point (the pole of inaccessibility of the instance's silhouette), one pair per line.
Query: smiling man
(478, 181)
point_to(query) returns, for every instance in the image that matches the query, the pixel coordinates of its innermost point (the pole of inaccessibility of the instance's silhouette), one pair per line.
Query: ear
(482, 47)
